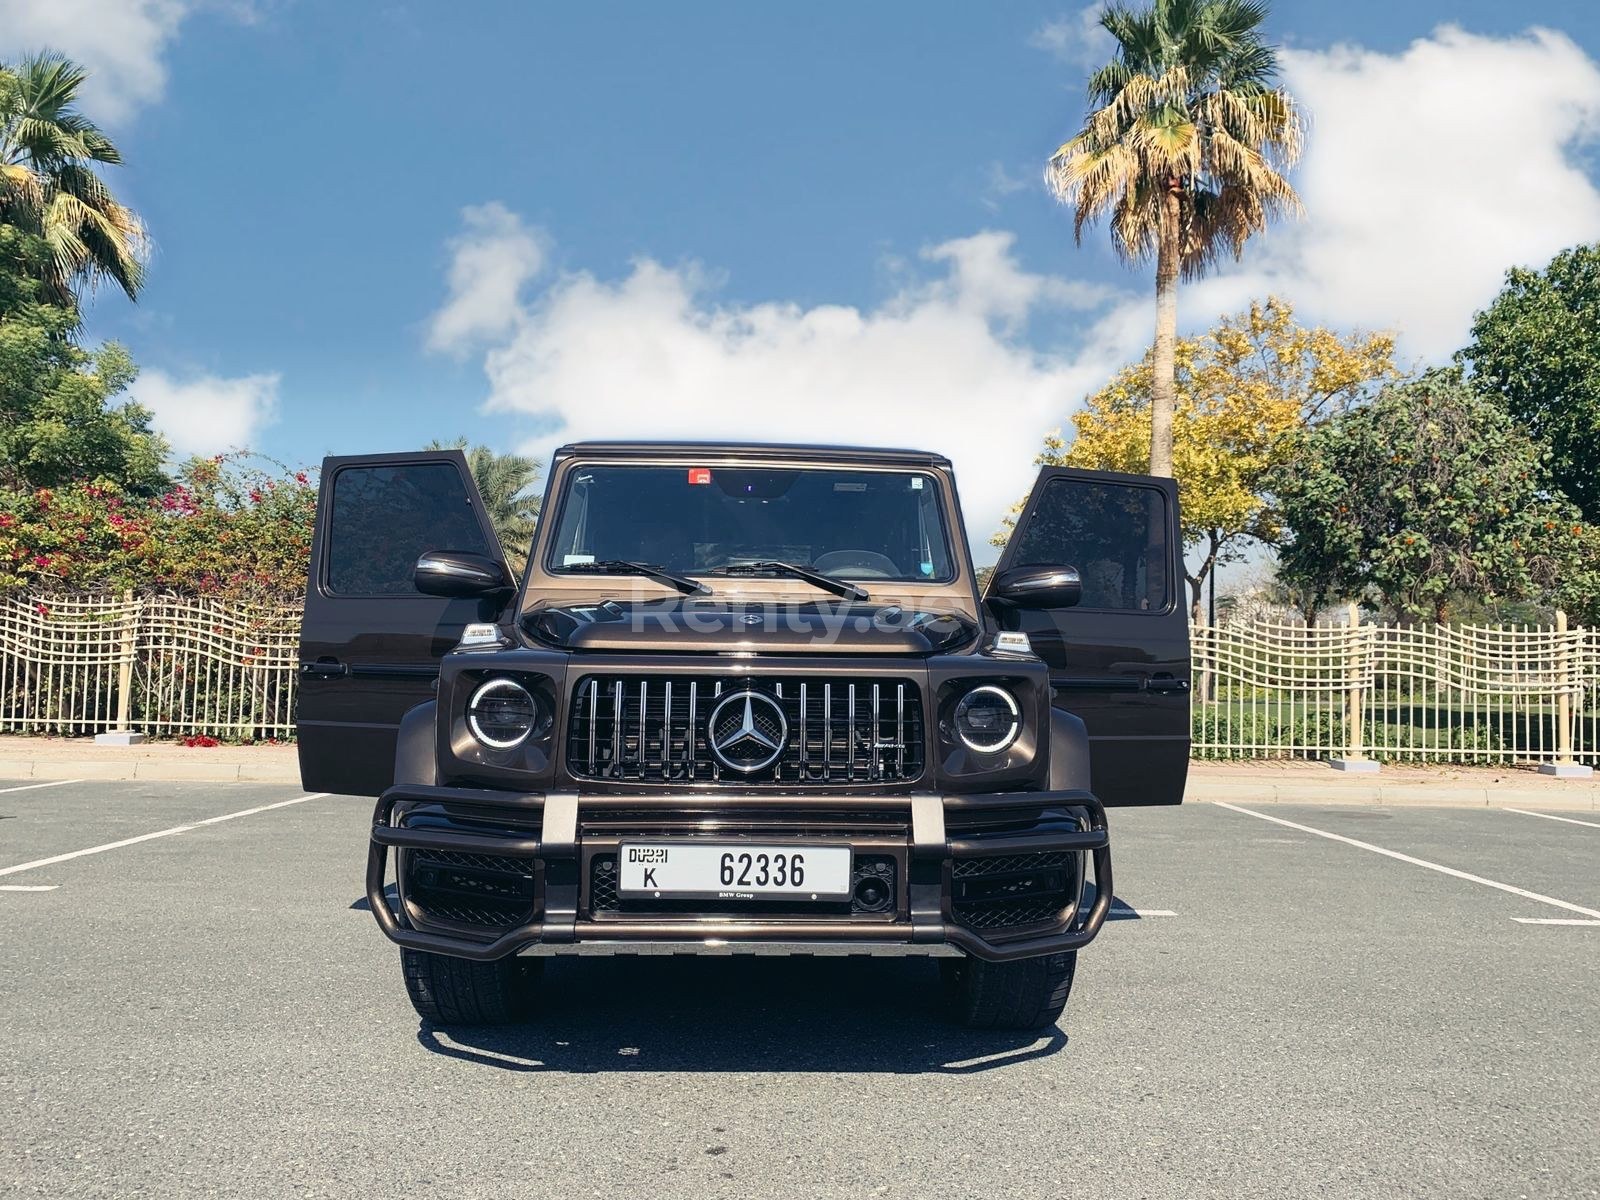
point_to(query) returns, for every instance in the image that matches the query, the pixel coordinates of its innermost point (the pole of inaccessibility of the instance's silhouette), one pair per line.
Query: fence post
(126, 651)
(1566, 685)
(1355, 758)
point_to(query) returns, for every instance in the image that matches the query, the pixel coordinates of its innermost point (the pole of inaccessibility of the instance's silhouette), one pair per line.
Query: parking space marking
(1553, 921)
(1120, 908)
(1416, 862)
(28, 787)
(1552, 817)
(161, 833)
(28, 887)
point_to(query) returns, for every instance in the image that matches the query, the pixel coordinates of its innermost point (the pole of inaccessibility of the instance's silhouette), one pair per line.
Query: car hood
(698, 626)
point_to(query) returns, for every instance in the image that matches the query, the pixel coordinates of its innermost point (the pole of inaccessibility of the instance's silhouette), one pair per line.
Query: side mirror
(458, 573)
(1034, 586)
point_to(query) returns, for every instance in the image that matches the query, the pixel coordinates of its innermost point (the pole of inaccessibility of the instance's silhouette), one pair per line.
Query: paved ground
(208, 1013)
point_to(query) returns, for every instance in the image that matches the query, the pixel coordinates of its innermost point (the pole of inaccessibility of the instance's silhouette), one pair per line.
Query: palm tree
(48, 185)
(1185, 146)
(505, 481)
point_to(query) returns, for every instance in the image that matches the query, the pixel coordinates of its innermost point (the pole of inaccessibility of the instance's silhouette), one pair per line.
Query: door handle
(324, 668)
(1165, 683)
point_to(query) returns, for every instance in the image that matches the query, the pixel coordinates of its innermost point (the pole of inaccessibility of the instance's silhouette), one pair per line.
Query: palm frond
(47, 184)
(1187, 107)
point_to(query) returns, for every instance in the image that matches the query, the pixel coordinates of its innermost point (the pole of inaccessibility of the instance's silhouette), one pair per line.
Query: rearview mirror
(458, 573)
(1035, 586)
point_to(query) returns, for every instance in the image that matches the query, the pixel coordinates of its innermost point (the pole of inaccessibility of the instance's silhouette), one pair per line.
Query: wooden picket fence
(1397, 693)
(170, 665)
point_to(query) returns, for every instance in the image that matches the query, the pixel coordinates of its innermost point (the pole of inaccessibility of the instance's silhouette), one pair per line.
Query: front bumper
(934, 846)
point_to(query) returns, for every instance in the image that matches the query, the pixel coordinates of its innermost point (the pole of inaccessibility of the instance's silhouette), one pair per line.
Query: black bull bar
(558, 846)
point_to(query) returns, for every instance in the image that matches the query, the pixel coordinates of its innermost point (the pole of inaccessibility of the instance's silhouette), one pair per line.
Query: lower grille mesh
(491, 891)
(1008, 891)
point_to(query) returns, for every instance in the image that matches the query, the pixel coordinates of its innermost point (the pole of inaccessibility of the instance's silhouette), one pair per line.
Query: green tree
(60, 420)
(1537, 349)
(1245, 390)
(506, 483)
(1429, 492)
(49, 185)
(1185, 148)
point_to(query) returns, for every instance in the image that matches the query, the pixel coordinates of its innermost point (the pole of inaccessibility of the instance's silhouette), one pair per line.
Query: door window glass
(1114, 534)
(384, 518)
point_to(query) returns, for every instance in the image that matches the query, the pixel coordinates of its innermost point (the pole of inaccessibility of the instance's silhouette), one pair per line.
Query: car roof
(715, 450)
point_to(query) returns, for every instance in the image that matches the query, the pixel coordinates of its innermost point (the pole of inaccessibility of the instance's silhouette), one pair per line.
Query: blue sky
(380, 223)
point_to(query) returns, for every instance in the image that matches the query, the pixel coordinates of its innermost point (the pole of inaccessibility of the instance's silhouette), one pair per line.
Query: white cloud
(1431, 171)
(121, 42)
(1076, 38)
(1000, 183)
(938, 365)
(491, 261)
(208, 414)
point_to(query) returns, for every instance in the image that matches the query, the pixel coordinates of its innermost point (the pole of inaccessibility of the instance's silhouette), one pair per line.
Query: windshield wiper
(769, 566)
(623, 566)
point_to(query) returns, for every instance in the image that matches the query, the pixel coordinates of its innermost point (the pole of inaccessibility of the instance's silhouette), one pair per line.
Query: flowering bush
(229, 526)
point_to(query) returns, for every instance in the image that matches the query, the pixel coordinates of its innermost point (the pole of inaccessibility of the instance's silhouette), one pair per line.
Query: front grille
(655, 729)
(489, 890)
(1012, 890)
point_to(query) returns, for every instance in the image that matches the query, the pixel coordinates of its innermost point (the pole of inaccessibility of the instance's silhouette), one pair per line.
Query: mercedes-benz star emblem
(747, 731)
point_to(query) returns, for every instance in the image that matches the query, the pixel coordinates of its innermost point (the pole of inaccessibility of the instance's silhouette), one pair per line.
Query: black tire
(1026, 994)
(458, 991)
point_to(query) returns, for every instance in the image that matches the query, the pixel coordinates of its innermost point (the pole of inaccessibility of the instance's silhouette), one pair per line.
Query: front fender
(415, 758)
(1069, 752)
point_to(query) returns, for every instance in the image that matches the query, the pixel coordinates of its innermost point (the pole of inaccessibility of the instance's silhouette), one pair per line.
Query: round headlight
(502, 713)
(988, 719)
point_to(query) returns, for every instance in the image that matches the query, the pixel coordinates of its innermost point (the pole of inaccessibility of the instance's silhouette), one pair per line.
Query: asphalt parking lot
(210, 1012)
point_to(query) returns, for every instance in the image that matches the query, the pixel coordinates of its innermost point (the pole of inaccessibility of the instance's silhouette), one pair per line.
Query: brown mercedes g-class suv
(745, 699)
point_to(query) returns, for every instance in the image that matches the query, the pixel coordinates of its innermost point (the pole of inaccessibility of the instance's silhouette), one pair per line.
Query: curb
(1581, 798)
(1566, 797)
(150, 771)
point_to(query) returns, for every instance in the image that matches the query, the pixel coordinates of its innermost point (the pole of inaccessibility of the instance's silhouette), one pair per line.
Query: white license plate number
(686, 871)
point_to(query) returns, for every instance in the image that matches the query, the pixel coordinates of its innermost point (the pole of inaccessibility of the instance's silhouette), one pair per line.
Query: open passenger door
(1119, 657)
(370, 642)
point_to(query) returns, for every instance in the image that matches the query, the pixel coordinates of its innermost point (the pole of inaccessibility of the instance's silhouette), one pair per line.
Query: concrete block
(1566, 770)
(1355, 766)
(119, 737)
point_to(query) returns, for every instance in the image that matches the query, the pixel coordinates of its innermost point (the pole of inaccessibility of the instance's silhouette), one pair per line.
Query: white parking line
(160, 833)
(1552, 817)
(28, 787)
(1416, 862)
(28, 887)
(1553, 921)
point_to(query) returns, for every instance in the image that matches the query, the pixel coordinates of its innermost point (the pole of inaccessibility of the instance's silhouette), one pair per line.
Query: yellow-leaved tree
(1244, 391)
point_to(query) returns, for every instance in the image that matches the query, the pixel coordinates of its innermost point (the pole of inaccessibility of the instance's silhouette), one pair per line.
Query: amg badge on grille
(747, 731)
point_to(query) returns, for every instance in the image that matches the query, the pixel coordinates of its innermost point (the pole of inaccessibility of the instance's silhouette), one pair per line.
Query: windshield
(849, 524)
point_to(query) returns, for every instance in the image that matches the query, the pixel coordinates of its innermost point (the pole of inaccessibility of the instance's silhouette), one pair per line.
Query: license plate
(693, 871)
